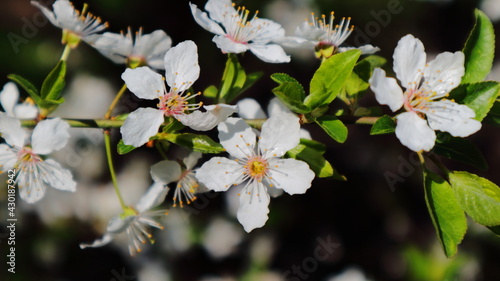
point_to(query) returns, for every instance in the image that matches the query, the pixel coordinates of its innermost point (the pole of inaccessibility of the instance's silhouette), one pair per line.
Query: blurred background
(360, 229)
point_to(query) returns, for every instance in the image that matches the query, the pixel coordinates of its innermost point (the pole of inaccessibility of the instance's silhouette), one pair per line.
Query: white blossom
(9, 99)
(426, 88)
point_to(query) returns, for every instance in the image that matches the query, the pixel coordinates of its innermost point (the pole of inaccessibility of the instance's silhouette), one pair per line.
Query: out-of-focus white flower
(135, 221)
(182, 70)
(9, 99)
(143, 50)
(491, 8)
(221, 238)
(324, 37)
(350, 274)
(257, 167)
(35, 174)
(75, 26)
(237, 32)
(427, 86)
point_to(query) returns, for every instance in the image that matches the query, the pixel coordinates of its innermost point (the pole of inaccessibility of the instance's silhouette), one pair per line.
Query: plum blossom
(324, 37)
(147, 49)
(35, 174)
(75, 25)
(182, 70)
(426, 88)
(237, 32)
(187, 187)
(134, 221)
(257, 167)
(9, 98)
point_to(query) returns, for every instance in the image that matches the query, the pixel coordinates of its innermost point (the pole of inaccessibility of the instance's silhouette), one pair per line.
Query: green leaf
(233, 79)
(480, 97)
(123, 148)
(311, 152)
(494, 114)
(54, 82)
(330, 78)
(479, 50)
(495, 229)
(292, 95)
(333, 127)
(172, 125)
(211, 92)
(460, 149)
(200, 143)
(283, 77)
(27, 86)
(358, 80)
(384, 125)
(478, 197)
(250, 80)
(446, 214)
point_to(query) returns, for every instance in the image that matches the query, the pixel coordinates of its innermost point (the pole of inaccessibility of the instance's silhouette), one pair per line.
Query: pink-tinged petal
(98, 242)
(219, 9)
(250, 109)
(444, 73)
(46, 12)
(253, 209)
(280, 133)
(9, 96)
(191, 160)
(204, 121)
(409, 60)
(7, 158)
(50, 135)
(166, 171)
(26, 110)
(456, 119)
(153, 197)
(293, 176)
(11, 130)
(237, 137)
(414, 133)
(31, 187)
(140, 125)
(387, 90)
(181, 66)
(219, 173)
(56, 176)
(144, 82)
(227, 45)
(116, 47)
(270, 53)
(202, 19)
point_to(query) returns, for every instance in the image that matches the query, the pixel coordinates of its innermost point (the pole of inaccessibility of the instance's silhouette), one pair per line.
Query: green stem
(65, 54)
(107, 142)
(115, 101)
(82, 123)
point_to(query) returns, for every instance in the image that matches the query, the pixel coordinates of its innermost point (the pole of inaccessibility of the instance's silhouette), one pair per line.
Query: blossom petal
(7, 158)
(144, 82)
(191, 160)
(219, 173)
(204, 121)
(218, 9)
(226, 45)
(271, 53)
(140, 125)
(444, 73)
(268, 32)
(253, 209)
(280, 133)
(456, 119)
(11, 130)
(47, 13)
(166, 171)
(181, 66)
(153, 197)
(409, 60)
(98, 242)
(9, 97)
(276, 106)
(386, 89)
(365, 49)
(414, 133)
(26, 110)
(310, 32)
(293, 176)
(56, 176)
(202, 19)
(237, 137)
(50, 135)
(31, 188)
(116, 47)
(250, 109)
(153, 46)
